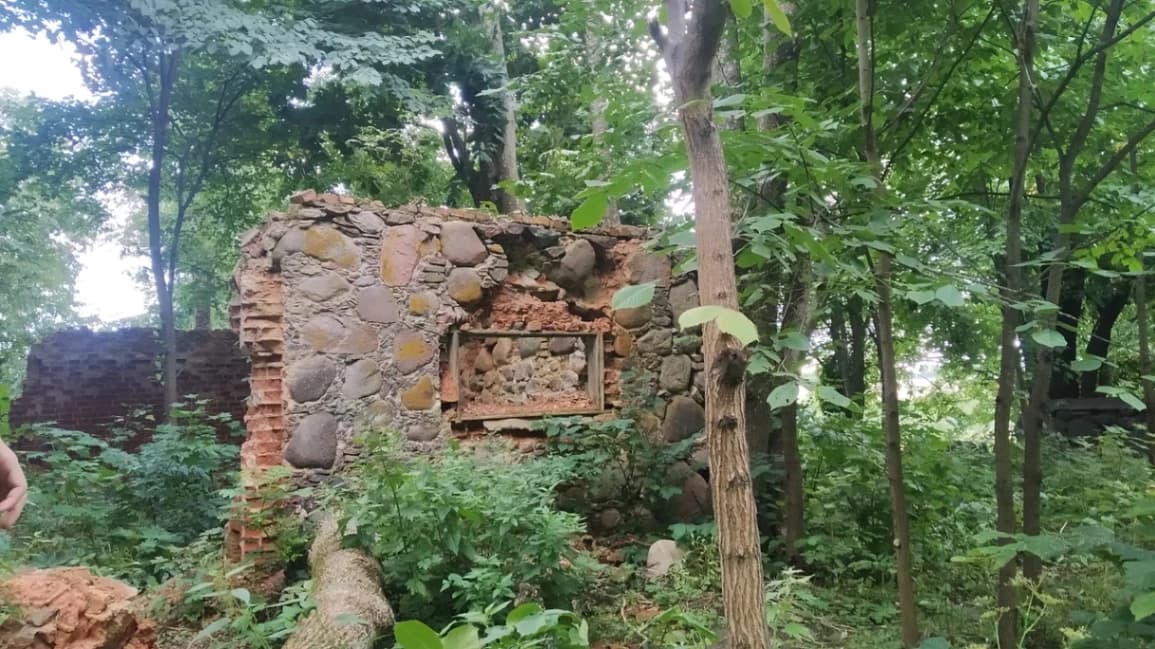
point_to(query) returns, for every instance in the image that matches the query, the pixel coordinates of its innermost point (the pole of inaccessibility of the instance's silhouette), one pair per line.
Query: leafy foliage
(93, 504)
(457, 531)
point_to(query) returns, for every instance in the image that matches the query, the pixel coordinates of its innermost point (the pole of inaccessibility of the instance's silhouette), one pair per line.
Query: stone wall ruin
(442, 323)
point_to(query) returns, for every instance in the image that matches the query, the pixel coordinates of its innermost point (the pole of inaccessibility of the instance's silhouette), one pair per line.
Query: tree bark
(1009, 352)
(689, 50)
(1072, 296)
(167, 66)
(795, 317)
(1100, 343)
(1145, 365)
(598, 123)
(856, 387)
(505, 162)
(884, 324)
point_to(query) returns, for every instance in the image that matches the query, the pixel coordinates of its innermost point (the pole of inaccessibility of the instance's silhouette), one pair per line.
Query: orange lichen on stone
(420, 304)
(326, 242)
(70, 608)
(421, 396)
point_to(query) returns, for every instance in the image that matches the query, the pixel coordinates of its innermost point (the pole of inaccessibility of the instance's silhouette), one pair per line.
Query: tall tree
(689, 44)
(1012, 295)
(178, 71)
(884, 325)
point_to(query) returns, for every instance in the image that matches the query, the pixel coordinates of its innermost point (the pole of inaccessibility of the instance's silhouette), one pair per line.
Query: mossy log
(351, 607)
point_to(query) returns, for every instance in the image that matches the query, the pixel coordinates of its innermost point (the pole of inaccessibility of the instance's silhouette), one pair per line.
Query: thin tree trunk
(599, 126)
(857, 383)
(795, 317)
(689, 50)
(1145, 365)
(1009, 352)
(505, 163)
(1073, 294)
(167, 64)
(884, 323)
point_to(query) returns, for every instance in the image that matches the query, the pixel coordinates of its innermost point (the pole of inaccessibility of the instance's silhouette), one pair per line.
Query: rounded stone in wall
(309, 379)
(464, 286)
(633, 318)
(461, 245)
(683, 297)
(684, 418)
(362, 379)
(424, 432)
(314, 442)
(327, 243)
(411, 351)
(675, 373)
(421, 396)
(324, 287)
(576, 265)
(376, 304)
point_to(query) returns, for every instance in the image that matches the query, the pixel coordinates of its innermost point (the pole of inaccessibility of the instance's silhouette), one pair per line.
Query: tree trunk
(689, 50)
(505, 162)
(1009, 352)
(884, 324)
(795, 317)
(856, 387)
(1145, 365)
(167, 64)
(1073, 294)
(203, 318)
(1100, 343)
(598, 124)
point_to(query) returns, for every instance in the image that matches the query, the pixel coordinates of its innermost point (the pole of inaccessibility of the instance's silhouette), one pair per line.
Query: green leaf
(590, 212)
(242, 595)
(794, 340)
(413, 634)
(949, 295)
(462, 637)
(737, 325)
(778, 16)
(1133, 401)
(935, 643)
(1088, 364)
(832, 396)
(920, 297)
(216, 625)
(699, 315)
(741, 8)
(1143, 606)
(783, 395)
(1048, 338)
(523, 611)
(633, 296)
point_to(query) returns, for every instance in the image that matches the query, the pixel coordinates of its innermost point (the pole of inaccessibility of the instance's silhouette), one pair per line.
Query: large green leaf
(737, 325)
(1087, 364)
(633, 296)
(832, 396)
(1048, 338)
(1143, 606)
(699, 315)
(949, 295)
(741, 8)
(413, 634)
(783, 395)
(462, 637)
(778, 16)
(590, 212)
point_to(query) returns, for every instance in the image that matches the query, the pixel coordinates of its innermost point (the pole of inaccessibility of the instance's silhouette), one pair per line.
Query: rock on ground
(662, 558)
(70, 608)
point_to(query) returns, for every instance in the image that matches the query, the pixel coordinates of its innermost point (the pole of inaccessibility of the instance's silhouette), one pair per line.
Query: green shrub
(95, 505)
(456, 531)
(528, 625)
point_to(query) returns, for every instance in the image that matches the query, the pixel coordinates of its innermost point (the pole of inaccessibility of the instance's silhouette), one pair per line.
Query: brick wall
(85, 380)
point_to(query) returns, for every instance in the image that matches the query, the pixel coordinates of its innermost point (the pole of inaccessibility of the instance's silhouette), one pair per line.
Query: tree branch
(1094, 99)
(1112, 163)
